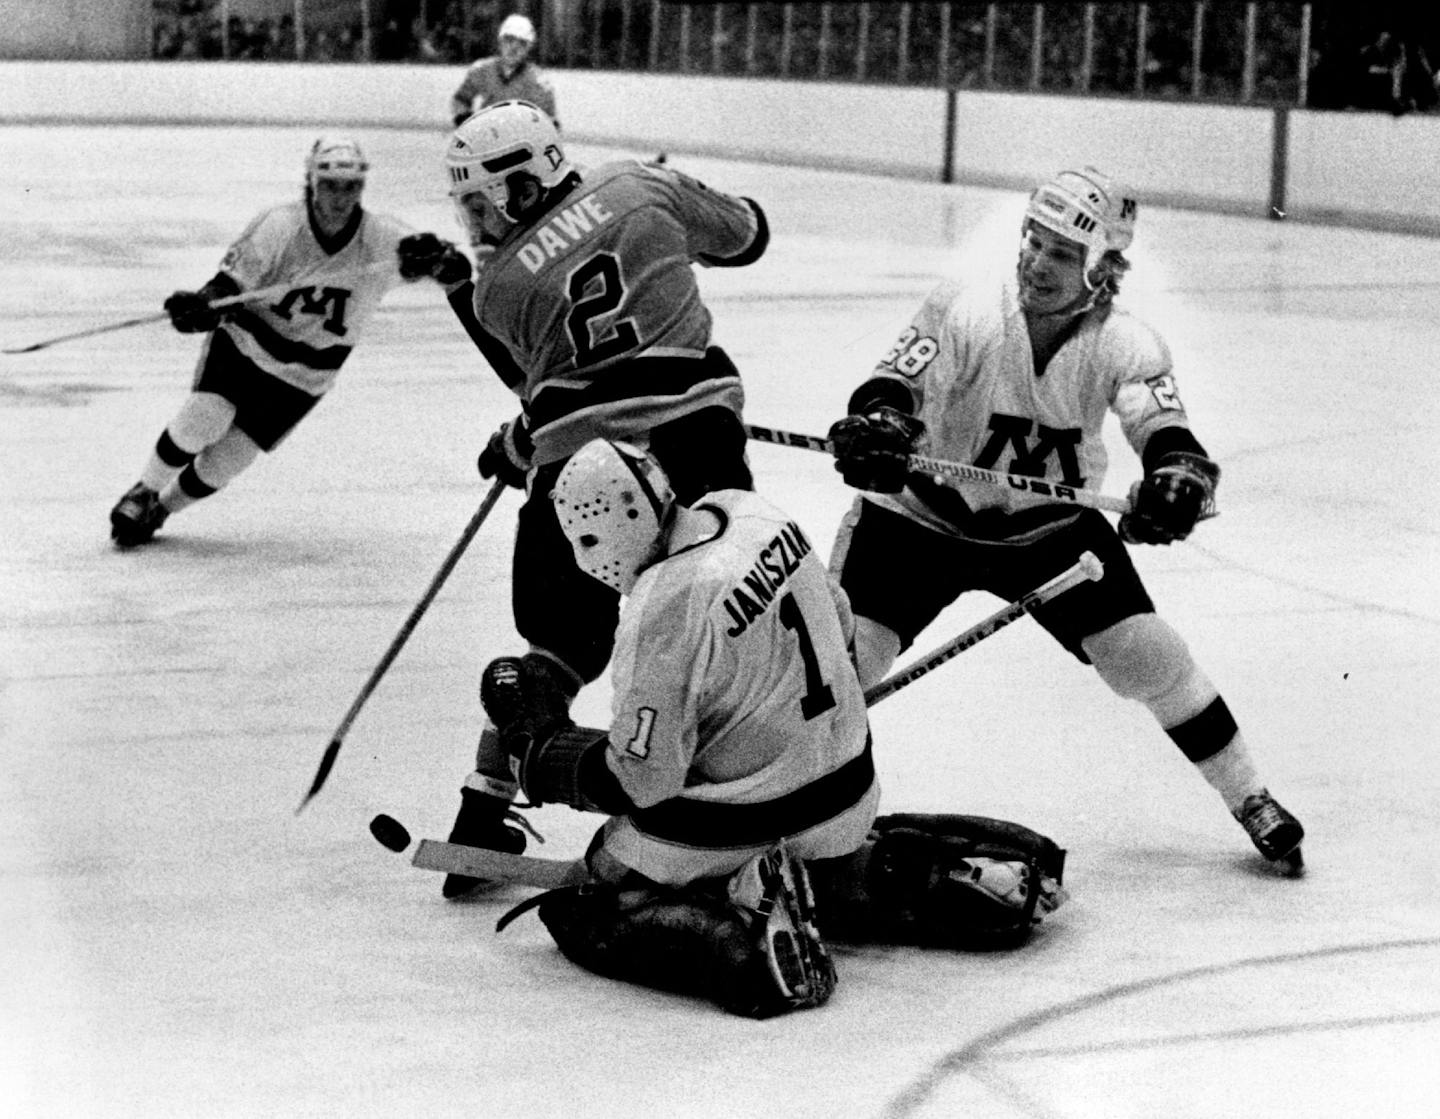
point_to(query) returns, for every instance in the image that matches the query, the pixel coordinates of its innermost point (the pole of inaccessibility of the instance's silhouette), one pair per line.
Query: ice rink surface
(175, 941)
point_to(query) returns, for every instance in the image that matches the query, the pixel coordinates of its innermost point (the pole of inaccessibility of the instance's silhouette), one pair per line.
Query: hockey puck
(390, 832)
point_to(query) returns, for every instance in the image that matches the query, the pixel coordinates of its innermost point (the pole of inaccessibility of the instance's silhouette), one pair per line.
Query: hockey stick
(1087, 569)
(498, 866)
(524, 870)
(244, 297)
(963, 472)
(327, 762)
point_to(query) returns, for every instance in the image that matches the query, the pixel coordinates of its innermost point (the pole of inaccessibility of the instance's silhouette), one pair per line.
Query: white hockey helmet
(506, 139)
(335, 157)
(613, 503)
(516, 26)
(1089, 207)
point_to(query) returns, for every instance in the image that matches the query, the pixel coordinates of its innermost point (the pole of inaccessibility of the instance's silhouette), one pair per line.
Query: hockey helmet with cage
(1088, 207)
(613, 503)
(505, 140)
(516, 26)
(335, 158)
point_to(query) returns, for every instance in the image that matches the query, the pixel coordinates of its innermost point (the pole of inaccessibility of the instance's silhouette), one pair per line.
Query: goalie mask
(613, 503)
(496, 149)
(1087, 207)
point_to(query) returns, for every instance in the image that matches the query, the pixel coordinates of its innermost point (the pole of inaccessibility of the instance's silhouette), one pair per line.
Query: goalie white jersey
(966, 359)
(734, 688)
(305, 335)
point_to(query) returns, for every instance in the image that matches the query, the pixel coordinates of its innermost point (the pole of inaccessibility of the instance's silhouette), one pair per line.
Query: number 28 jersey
(967, 362)
(733, 688)
(604, 279)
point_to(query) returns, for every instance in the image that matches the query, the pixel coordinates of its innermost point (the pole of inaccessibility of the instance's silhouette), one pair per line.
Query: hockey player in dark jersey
(1019, 376)
(589, 310)
(736, 772)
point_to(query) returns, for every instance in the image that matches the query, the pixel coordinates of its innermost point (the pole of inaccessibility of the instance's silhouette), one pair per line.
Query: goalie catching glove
(1166, 504)
(872, 451)
(507, 453)
(424, 254)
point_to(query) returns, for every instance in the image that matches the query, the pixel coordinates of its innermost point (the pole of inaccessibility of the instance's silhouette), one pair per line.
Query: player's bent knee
(1140, 657)
(944, 881)
(876, 647)
(201, 421)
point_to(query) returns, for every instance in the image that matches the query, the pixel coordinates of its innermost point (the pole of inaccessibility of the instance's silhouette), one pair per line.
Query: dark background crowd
(1374, 57)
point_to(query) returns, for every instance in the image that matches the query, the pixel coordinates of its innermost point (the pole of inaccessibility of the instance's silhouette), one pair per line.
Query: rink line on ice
(977, 1058)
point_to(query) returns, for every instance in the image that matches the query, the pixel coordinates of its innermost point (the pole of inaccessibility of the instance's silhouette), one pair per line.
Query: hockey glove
(507, 455)
(424, 254)
(190, 313)
(872, 451)
(1167, 502)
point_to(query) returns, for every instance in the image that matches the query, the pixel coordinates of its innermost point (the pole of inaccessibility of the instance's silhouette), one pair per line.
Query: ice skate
(775, 890)
(481, 822)
(136, 516)
(1275, 833)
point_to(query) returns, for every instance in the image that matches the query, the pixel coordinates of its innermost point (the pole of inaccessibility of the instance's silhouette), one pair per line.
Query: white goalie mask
(498, 143)
(613, 503)
(1089, 207)
(335, 157)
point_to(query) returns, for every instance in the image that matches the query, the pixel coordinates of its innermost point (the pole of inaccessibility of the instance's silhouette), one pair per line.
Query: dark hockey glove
(1167, 502)
(190, 313)
(507, 455)
(524, 696)
(424, 254)
(872, 451)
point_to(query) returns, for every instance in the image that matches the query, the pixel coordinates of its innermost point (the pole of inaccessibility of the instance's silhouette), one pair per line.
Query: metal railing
(1216, 50)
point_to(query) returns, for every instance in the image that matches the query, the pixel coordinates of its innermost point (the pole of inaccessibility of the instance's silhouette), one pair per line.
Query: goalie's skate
(775, 890)
(482, 822)
(137, 516)
(1274, 831)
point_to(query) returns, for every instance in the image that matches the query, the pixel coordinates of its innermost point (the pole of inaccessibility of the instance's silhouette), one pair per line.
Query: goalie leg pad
(943, 881)
(755, 957)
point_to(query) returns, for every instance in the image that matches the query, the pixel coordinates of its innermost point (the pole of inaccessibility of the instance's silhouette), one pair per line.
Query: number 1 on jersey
(818, 697)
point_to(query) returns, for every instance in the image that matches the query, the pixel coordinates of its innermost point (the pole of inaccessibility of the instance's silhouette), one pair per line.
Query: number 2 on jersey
(597, 288)
(818, 697)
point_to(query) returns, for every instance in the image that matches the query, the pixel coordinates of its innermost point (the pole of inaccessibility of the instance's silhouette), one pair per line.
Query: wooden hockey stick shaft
(332, 750)
(525, 870)
(1088, 568)
(244, 297)
(959, 471)
(498, 866)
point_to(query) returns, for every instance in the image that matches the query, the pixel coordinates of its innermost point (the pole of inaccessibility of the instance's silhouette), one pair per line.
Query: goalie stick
(959, 471)
(527, 870)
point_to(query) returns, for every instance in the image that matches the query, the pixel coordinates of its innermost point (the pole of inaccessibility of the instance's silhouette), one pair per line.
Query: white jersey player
(738, 753)
(266, 362)
(1019, 377)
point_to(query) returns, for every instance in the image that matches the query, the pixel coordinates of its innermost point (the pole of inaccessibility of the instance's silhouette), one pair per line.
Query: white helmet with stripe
(613, 503)
(335, 157)
(499, 142)
(1089, 207)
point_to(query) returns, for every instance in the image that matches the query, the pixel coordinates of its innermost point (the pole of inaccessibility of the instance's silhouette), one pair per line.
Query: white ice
(175, 941)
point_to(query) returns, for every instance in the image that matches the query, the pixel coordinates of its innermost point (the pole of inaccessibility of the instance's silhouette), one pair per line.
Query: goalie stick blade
(498, 866)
